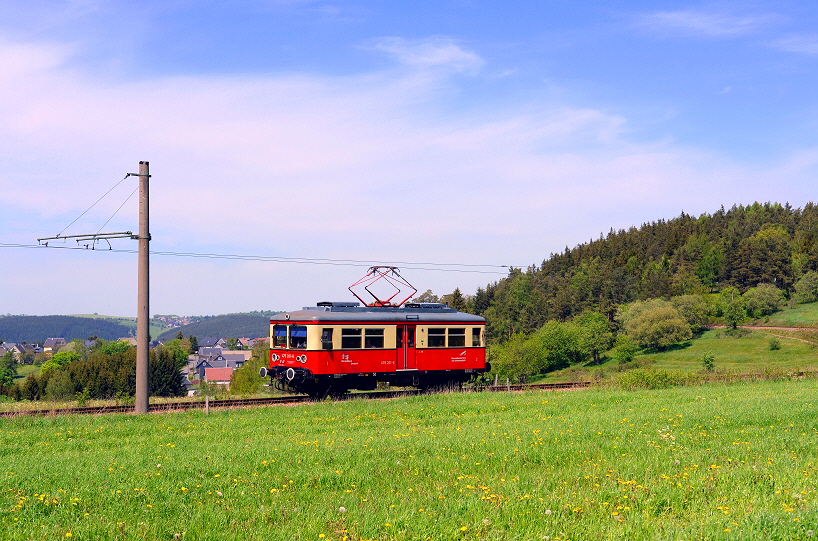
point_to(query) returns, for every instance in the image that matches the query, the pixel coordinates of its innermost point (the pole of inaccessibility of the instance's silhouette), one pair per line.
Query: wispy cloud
(805, 44)
(369, 166)
(704, 23)
(435, 52)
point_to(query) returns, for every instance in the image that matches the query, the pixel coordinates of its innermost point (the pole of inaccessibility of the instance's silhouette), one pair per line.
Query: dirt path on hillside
(771, 328)
(764, 327)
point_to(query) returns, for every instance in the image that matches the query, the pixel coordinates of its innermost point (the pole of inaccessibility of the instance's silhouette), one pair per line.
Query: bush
(649, 378)
(775, 344)
(655, 324)
(708, 360)
(806, 288)
(625, 349)
(763, 300)
(59, 387)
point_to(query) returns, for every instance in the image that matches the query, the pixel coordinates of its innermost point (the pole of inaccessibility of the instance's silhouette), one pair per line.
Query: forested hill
(226, 326)
(741, 247)
(38, 328)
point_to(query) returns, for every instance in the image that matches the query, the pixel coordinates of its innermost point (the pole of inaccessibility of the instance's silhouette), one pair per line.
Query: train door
(406, 347)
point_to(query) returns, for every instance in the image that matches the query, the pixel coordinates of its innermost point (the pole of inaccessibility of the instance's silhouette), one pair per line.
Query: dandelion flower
(464, 528)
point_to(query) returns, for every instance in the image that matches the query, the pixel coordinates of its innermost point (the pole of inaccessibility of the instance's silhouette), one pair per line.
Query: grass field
(742, 352)
(801, 315)
(714, 462)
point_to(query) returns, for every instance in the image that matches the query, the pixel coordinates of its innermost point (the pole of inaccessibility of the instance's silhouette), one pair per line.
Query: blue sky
(451, 132)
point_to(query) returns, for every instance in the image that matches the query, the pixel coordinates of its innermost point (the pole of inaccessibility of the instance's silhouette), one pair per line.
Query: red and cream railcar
(337, 346)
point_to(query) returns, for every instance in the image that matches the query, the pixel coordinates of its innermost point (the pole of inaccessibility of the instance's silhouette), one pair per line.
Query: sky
(449, 138)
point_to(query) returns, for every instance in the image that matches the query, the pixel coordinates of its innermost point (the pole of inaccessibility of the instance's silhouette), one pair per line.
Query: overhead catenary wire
(118, 209)
(94, 204)
(426, 266)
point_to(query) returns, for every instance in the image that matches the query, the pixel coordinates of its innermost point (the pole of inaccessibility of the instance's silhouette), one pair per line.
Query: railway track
(274, 400)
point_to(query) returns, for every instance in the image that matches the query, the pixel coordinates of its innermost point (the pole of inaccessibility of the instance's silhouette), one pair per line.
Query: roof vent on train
(339, 304)
(426, 305)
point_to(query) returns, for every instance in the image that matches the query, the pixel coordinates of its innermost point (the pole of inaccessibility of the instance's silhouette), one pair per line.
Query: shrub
(775, 344)
(655, 324)
(625, 349)
(763, 300)
(806, 288)
(649, 378)
(708, 360)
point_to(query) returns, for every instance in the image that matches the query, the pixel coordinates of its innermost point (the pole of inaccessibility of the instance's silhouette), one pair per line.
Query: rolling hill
(37, 328)
(225, 326)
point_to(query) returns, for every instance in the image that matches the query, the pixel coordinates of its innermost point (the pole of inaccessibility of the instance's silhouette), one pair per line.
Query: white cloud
(368, 167)
(704, 23)
(805, 44)
(436, 52)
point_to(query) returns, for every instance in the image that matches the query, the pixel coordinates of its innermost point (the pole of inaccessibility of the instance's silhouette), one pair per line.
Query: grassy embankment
(744, 351)
(716, 462)
(800, 315)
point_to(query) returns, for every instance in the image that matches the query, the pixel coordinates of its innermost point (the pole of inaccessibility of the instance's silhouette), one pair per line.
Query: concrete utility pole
(143, 295)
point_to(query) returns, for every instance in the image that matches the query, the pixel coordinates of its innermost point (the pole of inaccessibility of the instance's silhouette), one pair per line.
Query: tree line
(106, 370)
(762, 243)
(35, 329)
(648, 287)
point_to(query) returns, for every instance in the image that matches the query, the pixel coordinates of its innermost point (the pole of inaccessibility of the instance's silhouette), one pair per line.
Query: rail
(274, 400)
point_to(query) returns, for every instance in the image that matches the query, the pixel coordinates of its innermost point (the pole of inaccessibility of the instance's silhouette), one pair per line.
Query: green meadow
(709, 462)
(739, 351)
(744, 351)
(799, 315)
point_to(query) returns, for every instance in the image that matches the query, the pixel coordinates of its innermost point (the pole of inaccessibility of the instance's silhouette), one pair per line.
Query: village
(213, 361)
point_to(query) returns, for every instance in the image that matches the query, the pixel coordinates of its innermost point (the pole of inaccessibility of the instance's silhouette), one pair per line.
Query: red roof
(218, 374)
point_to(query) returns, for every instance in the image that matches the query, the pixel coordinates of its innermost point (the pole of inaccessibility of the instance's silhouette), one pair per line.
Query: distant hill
(38, 328)
(226, 326)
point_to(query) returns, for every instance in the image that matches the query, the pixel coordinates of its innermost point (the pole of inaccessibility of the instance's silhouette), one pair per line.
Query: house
(226, 359)
(212, 342)
(219, 376)
(22, 353)
(210, 352)
(129, 339)
(53, 345)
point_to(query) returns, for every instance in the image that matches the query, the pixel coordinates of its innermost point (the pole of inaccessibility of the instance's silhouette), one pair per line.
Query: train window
(280, 336)
(298, 337)
(437, 337)
(373, 339)
(475, 337)
(351, 338)
(326, 339)
(457, 338)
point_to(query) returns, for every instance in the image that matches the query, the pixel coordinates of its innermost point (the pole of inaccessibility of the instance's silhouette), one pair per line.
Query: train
(334, 347)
